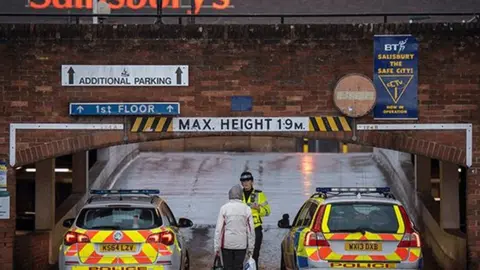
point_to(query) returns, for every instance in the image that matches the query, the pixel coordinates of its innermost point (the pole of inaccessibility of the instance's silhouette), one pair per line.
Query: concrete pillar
(80, 172)
(449, 198)
(45, 194)
(423, 174)
(103, 154)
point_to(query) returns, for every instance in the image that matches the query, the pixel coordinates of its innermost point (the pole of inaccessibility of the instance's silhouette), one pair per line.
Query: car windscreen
(118, 218)
(361, 217)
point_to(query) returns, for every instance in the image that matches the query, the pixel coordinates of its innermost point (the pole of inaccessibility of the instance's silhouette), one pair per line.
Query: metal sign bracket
(427, 127)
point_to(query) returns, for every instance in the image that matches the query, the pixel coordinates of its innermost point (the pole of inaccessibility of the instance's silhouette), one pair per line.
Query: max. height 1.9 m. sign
(241, 124)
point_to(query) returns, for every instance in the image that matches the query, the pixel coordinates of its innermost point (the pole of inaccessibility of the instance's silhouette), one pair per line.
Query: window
(168, 213)
(309, 214)
(300, 218)
(118, 218)
(357, 217)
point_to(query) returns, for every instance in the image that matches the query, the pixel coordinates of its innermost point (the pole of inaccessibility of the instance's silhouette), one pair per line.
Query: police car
(127, 230)
(355, 228)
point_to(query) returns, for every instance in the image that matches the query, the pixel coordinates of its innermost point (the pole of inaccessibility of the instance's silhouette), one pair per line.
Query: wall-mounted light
(65, 170)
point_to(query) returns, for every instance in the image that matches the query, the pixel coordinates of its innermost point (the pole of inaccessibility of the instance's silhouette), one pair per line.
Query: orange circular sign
(354, 95)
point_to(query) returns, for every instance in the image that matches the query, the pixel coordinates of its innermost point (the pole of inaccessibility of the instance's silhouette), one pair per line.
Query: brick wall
(35, 247)
(289, 71)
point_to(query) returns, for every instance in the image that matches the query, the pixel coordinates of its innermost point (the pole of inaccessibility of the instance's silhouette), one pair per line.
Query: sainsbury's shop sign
(121, 4)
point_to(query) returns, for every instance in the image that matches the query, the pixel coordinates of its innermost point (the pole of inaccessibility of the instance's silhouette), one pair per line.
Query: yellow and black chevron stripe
(152, 124)
(329, 123)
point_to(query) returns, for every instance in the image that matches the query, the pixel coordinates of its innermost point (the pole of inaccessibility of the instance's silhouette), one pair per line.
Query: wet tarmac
(195, 185)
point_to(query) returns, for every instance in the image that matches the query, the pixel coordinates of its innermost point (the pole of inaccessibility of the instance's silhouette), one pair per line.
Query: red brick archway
(381, 139)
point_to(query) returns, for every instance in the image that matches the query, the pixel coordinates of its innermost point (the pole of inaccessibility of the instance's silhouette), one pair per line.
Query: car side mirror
(184, 223)
(67, 223)
(284, 223)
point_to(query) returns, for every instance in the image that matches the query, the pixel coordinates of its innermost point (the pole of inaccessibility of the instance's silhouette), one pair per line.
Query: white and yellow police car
(355, 228)
(125, 230)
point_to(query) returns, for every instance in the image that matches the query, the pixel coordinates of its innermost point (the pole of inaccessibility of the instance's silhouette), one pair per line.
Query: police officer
(257, 201)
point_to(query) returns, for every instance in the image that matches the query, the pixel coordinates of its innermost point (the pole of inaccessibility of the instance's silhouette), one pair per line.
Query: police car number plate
(363, 246)
(117, 248)
(369, 265)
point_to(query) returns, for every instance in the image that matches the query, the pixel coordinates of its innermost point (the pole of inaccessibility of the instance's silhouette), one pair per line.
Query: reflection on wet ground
(195, 185)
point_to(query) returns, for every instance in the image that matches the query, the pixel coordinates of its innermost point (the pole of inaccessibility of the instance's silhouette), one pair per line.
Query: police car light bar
(353, 189)
(124, 191)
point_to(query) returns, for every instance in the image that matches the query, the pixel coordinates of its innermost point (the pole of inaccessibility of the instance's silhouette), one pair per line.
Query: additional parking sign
(128, 75)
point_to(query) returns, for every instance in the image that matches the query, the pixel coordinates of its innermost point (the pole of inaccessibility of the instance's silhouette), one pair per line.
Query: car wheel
(186, 264)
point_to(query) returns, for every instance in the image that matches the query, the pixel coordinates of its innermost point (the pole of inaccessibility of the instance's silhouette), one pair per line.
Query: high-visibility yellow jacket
(257, 196)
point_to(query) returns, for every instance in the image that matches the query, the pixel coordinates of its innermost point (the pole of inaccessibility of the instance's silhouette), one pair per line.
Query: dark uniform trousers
(258, 244)
(258, 197)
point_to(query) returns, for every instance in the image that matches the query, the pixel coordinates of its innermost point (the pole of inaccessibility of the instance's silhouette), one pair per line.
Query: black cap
(245, 176)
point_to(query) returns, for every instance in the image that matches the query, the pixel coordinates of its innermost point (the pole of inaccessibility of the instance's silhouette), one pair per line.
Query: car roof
(363, 198)
(123, 199)
(352, 197)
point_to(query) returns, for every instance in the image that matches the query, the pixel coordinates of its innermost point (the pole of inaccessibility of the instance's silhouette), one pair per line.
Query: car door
(302, 229)
(180, 253)
(290, 247)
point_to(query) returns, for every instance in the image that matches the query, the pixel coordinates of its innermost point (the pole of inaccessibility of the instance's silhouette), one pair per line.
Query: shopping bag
(217, 263)
(250, 264)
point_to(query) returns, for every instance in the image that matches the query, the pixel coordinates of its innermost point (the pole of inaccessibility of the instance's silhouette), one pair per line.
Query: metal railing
(281, 16)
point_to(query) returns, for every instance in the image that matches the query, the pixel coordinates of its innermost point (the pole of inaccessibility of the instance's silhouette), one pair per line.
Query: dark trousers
(258, 244)
(233, 258)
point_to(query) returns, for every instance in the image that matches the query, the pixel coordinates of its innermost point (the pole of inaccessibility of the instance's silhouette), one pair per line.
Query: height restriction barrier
(241, 124)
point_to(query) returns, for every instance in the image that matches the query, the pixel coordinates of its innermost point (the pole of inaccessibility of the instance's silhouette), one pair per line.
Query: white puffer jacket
(234, 229)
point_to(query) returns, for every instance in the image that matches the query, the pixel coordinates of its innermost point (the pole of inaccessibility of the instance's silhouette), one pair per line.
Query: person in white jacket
(234, 232)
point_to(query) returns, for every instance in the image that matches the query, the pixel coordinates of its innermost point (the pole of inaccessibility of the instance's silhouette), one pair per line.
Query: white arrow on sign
(169, 108)
(80, 109)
